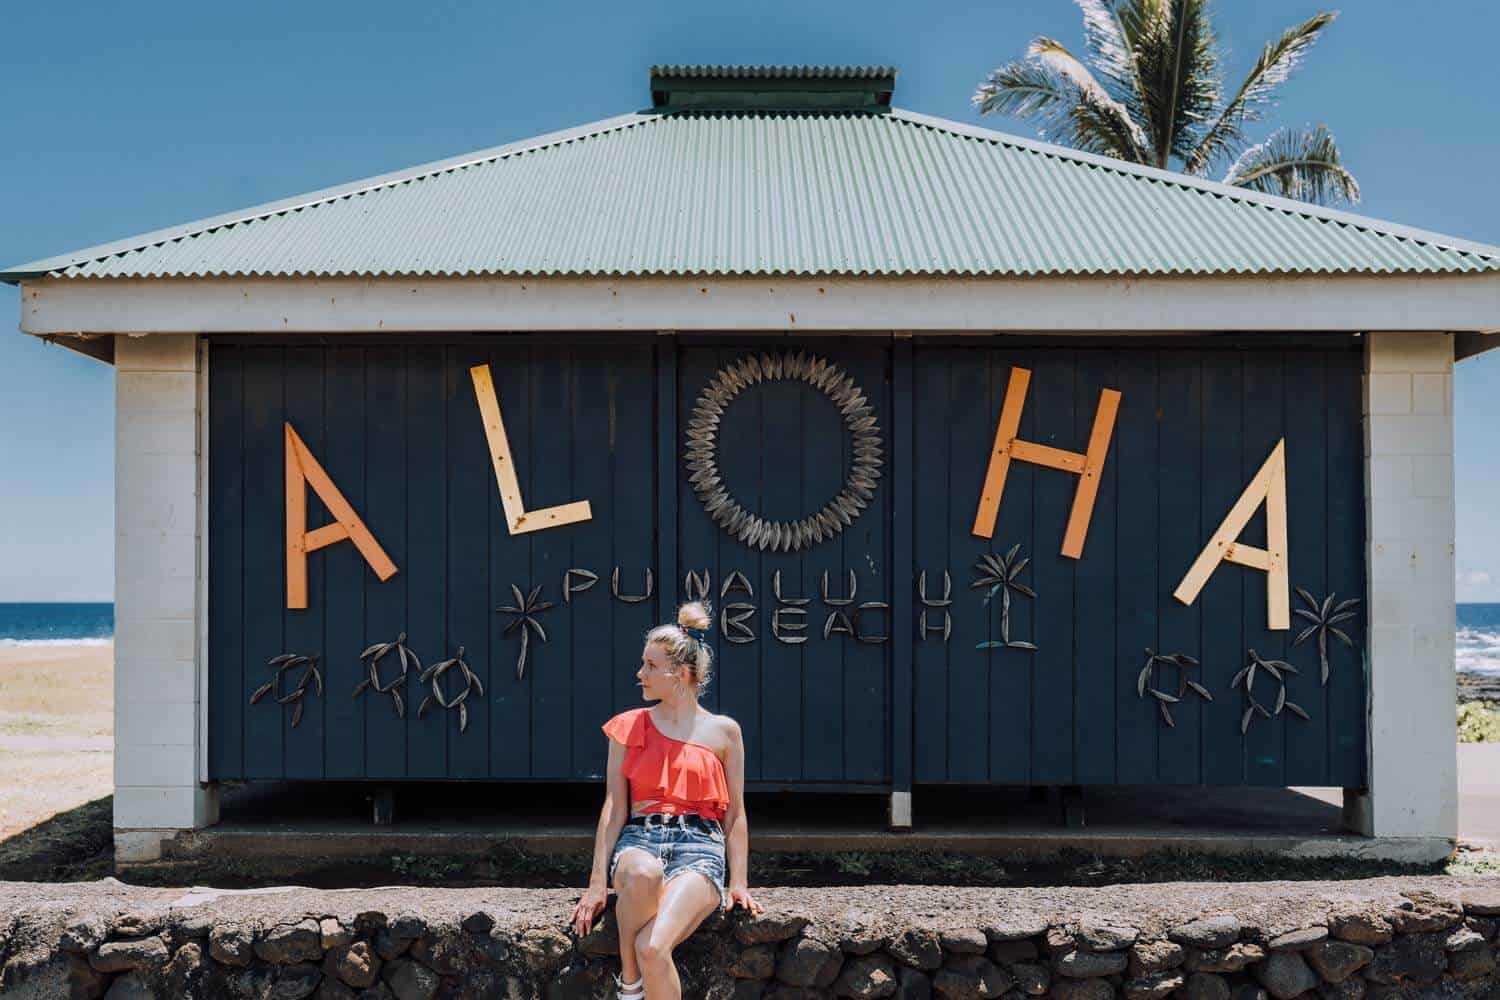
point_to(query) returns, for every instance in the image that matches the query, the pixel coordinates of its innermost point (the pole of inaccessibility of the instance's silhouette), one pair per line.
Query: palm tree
(1152, 93)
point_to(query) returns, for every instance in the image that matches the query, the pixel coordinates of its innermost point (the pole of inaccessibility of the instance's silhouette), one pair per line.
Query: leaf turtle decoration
(372, 658)
(1000, 574)
(281, 665)
(1325, 617)
(1183, 663)
(434, 675)
(1278, 669)
(860, 420)
(523, 616)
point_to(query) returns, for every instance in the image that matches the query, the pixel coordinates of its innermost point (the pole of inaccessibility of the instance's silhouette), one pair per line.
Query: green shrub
(1478, 723)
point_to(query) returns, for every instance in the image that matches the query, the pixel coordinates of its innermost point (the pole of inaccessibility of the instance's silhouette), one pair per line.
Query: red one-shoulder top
(682, 777)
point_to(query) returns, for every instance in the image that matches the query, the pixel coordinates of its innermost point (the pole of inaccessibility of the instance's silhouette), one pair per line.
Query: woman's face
(657, 675)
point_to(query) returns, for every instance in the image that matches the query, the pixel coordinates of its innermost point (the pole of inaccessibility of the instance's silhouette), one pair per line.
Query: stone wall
(1393, 937)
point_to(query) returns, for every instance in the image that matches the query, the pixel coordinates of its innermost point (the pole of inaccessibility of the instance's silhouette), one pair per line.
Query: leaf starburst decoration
(1278, 669)
(1325, 617)
(523, 616)
(1001, 575)
(372, 658)
(281, 665)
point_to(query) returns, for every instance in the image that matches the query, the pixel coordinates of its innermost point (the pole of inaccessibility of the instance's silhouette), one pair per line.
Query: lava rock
(1078, 964)
(130, 987)
(146, 954)
(230, 944)
(1336, 961)
(1150, 957)
(603, 938)
(1426, 913)
(137, 923)
(1482, 902)
(1009, 952)
(756, 962)
(1416, 957)
(768, 928)
(287, 944)
(84, 934)
(1474, 963)
(807, 961)
(1104, 937)
(964, 941)
(293, 982)
(1207, 932)
(544, 949)
(356, 964)
(1284, 974)
(912, 984)
(1083, 989)
(1360, 927)
(1299, 940)
(332, 989)
(410, 980)
(970, 977)
(333, 934)
(1207, 986)
(1156, 986)
(1017, 929)
(478, 922)
(1235, 958)
(1463, 939)
(1349, 989)
(916, 947)
(866, 977)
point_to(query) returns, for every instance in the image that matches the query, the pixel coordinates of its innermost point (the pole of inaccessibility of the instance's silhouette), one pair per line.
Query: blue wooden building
(1001, 464)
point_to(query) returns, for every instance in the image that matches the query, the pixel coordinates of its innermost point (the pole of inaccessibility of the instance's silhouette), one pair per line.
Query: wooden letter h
(1086, 466)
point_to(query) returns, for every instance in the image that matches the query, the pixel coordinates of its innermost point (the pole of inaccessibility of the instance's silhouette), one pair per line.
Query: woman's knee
(650, 952)
(636, 873)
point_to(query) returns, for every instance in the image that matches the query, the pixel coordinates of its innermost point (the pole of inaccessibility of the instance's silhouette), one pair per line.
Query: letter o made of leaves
(702, 451)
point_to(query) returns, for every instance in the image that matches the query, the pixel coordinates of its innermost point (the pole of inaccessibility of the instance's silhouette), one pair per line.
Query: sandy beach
(56, 730)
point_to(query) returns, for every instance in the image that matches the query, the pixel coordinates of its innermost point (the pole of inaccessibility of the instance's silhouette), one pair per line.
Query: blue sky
(120, 118)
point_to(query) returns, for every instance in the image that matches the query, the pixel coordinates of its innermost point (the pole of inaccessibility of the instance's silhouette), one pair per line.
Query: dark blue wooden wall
(396, 425)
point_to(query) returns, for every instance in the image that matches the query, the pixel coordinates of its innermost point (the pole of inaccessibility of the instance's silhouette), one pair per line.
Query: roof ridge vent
(808, 89)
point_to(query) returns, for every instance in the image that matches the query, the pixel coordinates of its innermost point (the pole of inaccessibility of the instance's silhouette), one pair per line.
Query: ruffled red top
(682, 777)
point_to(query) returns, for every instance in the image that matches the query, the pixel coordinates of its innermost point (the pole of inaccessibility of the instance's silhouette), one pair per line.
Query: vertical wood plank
(1052, 574)
(698, 552)
(1180, 531)
(930, 463)
(1136, 582)
(510, 735)
(553, 450)
(1010, 707)
(1265, 406)
(303, 629)
(1307, 534)
(664, 358)
(900, 480)
(1222, 598)
(972, 414)
(345, 569)
(228, 689)
(1094, 593)
(822, 458)
(1345, 518)
(434, 602)
(598, 667)
(386, 463)
(635, 518)
(265, 557)
(867, 666)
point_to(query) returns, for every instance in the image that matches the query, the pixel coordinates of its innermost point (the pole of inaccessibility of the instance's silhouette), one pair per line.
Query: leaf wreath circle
(702, 451)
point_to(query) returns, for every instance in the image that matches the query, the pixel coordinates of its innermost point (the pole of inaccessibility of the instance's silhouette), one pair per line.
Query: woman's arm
(611, 820)
(736, 829)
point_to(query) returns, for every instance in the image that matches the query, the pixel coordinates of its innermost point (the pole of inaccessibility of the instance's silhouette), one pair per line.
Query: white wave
(1477, 651)
(8, 643)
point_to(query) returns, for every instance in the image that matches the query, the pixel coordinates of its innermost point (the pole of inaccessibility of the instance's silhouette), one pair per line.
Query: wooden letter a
(1086, 466)
(302, 471)
(1269, 485)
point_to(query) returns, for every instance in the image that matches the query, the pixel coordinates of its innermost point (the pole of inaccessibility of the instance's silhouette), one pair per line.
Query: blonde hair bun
(694, 614)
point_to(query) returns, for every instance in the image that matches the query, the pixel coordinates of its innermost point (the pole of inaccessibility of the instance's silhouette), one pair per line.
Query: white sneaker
(630, 991)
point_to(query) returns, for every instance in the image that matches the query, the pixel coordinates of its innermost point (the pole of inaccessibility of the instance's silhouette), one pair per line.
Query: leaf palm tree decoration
(281, 664)
(1325, 618)
(523, 616)
(372, 657)
(435, 674)
(1183, 663)
(1151, 92)
(1000, 574)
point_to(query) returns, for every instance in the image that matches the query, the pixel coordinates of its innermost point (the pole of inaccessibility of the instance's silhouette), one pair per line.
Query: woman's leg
(638, 886)
(685, 901)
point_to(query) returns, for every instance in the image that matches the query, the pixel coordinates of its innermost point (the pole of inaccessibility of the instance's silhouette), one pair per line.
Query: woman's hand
(740, 894)
(590, 905)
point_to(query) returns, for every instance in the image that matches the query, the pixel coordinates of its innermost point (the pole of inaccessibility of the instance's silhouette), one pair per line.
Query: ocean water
(1478, 638)
(56, 624)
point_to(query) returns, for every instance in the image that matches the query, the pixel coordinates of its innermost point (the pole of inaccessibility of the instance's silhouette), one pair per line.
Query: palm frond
(1056, 57)
(1109, 50)
(1179, 69)
(1062, 111)
(1302, 164)
(1276, 64)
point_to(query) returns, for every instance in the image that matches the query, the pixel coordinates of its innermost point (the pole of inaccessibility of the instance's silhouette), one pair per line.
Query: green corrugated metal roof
(759, 193)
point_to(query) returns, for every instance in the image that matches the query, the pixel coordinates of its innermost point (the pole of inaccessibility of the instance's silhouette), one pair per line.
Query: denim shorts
(680, 843)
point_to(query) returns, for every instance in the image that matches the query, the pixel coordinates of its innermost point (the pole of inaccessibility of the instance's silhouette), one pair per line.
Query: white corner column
(1409, 518)
(158, 613)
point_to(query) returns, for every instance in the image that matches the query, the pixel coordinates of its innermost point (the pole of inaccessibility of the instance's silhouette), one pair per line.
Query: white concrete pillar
(158, 613)
(1413, 751)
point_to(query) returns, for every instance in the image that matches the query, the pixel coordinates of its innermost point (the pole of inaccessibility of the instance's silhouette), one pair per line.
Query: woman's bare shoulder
(725, 729)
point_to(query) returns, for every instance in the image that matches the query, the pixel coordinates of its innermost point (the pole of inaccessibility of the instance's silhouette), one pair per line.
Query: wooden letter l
(302, 471)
